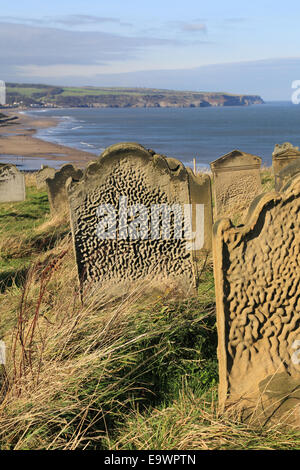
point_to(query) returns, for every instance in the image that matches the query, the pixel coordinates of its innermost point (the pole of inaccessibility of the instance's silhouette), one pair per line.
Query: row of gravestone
(236, 178)
(134, 215)
(256, 266)
(257, 284)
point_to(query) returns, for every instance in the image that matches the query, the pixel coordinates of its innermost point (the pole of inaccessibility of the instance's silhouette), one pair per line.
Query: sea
(184, 133)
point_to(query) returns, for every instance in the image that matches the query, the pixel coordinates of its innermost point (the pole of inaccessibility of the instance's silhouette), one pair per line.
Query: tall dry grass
(75, 368)
(123, 370)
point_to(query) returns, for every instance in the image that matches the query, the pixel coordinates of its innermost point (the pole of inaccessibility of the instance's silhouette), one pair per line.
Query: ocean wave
(71, 118)
(87, 145)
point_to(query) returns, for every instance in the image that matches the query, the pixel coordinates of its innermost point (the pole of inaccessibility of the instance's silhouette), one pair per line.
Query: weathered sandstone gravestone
(257, 279)
(236, 181)
(56, 187)
(279, 148)
(12, 183)
(287, 173)
(41, 176)
(282, 156)
(128, 213)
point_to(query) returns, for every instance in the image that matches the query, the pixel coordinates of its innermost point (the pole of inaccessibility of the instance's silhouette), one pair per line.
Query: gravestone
(282, 156)
(12, 184)
(236, 181)
(41, 176)
(56, 187)
(128, 214)
(257, 282)
(287, 173)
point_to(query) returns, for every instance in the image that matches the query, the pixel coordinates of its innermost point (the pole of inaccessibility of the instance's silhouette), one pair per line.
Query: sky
(233, 46)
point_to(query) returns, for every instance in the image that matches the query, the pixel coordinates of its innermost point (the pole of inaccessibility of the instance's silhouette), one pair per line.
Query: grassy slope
(124, 370)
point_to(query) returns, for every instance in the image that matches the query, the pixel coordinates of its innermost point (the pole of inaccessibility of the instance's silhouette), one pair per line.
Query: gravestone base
(276, 402)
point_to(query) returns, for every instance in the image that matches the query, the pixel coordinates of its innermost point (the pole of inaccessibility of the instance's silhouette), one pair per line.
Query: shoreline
(18, 139)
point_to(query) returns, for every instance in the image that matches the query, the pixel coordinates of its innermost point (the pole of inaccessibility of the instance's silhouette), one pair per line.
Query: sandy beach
(18, 138)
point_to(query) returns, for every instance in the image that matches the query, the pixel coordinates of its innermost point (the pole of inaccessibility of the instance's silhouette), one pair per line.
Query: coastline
(18, 139)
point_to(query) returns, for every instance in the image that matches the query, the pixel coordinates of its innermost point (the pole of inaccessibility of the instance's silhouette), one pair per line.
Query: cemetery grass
(26, 230)
(125, 369)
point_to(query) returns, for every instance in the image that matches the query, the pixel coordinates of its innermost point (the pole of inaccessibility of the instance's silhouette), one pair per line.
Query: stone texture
(12, 184)
(41, 176)
(200, 193)
(283, 156)
(143, 177)
(279, 148)
(56, 187)
(287, 173)
(236, 181)
(257, 281)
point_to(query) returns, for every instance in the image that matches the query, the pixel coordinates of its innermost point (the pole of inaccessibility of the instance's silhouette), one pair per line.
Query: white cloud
(23, 45)
(59, 71)
(194, 27)
(65, 20)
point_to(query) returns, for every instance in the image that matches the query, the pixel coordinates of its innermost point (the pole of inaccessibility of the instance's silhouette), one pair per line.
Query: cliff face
(235, 100)
(43, 95)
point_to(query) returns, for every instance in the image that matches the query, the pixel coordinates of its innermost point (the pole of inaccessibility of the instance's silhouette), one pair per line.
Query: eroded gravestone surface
(236, 181)
(257, 281)
(12, 184)
(128, 213)
(56, 187)
(41, 176)
(282, 156)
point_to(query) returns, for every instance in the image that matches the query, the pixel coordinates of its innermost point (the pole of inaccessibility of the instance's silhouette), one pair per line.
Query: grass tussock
(267, 179)
(26, 231)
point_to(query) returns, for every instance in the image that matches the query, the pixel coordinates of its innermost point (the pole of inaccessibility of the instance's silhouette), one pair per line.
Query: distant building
(2, 93)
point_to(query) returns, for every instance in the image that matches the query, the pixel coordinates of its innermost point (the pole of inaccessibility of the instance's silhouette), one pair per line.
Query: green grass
(94, 92)
(28, 92)
(267, 179)
(23, 216)
(20, 240)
